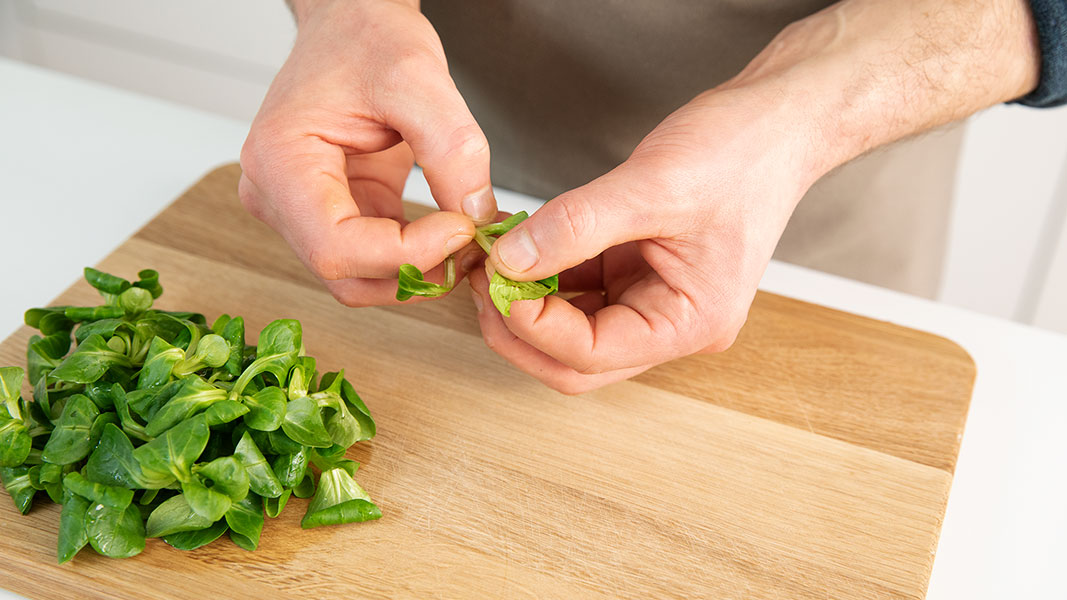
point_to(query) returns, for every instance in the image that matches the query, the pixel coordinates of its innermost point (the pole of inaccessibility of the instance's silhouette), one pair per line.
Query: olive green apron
(565, 89)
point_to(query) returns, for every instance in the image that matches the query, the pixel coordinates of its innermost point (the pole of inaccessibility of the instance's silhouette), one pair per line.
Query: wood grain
(812, 460)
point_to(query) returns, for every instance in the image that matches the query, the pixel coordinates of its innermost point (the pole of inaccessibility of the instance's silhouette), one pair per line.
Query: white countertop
(83, 166)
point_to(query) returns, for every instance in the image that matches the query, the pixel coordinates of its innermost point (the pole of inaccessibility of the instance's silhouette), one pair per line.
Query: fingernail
(457, 242)
(480, 206)
(517, 250)
(477, 298)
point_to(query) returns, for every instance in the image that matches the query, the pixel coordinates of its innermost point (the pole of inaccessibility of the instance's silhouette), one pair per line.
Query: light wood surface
(811, 460)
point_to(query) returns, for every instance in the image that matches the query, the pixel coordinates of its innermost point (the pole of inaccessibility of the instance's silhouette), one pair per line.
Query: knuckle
(589, 367)
(492, 342)
(576, 218)
(467, 142)
(409, 64)
(249, 199)
(570, 386)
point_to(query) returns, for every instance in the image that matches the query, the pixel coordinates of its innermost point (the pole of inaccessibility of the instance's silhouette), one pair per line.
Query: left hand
(666, 250)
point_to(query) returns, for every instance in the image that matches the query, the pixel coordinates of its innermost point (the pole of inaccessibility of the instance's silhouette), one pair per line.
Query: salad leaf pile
(155, 424)
(502, 291)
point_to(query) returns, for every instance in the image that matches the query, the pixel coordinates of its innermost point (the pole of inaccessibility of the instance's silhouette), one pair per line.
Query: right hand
(364, 94)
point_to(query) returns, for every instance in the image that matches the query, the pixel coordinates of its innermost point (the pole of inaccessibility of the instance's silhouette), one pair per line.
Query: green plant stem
(483, 240)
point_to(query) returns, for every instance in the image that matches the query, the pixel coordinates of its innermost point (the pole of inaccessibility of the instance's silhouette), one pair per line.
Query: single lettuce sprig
(502, 291)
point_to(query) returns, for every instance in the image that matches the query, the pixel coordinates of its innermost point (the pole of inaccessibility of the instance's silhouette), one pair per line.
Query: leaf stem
(483, 240)
(450, 272)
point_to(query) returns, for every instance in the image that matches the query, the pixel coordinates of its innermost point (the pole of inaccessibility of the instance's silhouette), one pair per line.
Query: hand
(665, 251)
(365, 93)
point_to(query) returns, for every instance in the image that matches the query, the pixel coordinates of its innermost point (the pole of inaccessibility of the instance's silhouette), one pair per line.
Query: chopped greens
(502, 291)
(153, 424)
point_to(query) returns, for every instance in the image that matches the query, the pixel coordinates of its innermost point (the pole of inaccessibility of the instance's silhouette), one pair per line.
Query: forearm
(863, 73)
(301, 8)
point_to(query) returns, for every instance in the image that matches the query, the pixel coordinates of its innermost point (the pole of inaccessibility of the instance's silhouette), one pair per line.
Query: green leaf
(174, 452)
(359, 410)
(172, 516)
(410, 282)
(303, 423)
(48, 481)
(499, 229)
(159, 364)
(72, 533)
(274, 506)
(130, 425)
(135, 301)
(290, 468)
(266, 409)
(279, 345)
(223, 412)
(15, 442)
(333, 458)
(245, 519)
(101, 393)
(504, 291)
(39, 317)
(109, 495)
(89, 362)
(17, 482)
(146, 403)
(301, 377)
(11, 390)
(194, 395)
(227, 475)
(112, 463)
(261, 477)
(54, 346)
(234, 334)
(38, 365)
(34, 418)
(339, 499)
(105, 419)
(104, 328)
(92, 313)
(105, 282)
(306, 487)
(70, 440)
(148, 279)
(207, 503)
(211, 351)
(191, 540)
(115, 532)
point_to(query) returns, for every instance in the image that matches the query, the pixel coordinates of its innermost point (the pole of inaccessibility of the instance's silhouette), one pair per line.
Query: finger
(315, 212)
(651, 323)
(377, 180)
(571, 229)
(448, 145)
(587, 276)
(589, 302)
(377, 292)
(530, 360)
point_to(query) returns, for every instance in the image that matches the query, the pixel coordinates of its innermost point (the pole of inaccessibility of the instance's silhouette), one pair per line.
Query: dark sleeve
(1050, 16)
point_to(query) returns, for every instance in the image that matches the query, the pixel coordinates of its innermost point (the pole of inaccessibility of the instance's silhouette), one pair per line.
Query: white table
(82, 166)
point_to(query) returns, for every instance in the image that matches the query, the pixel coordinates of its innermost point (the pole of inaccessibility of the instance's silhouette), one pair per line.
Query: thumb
(450, 147)
(568, 231)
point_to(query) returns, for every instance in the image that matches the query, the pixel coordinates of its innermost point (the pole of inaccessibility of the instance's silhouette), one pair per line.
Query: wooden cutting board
(811, 460)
